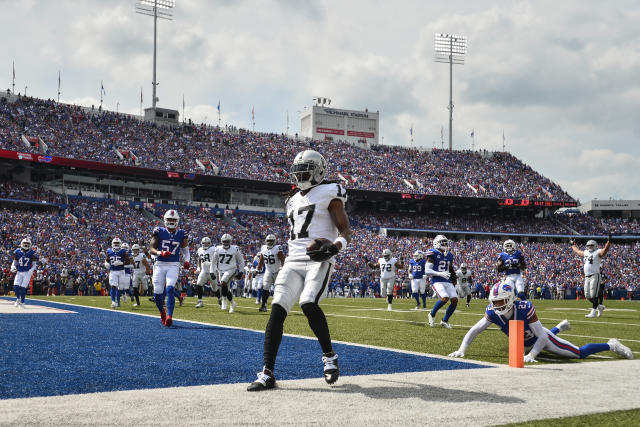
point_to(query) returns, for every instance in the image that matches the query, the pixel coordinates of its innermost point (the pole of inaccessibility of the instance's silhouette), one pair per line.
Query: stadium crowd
(77, 241)
(74, 132)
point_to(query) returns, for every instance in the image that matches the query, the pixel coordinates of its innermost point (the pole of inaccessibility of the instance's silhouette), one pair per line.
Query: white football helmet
(418, 255)
(116, 244)
(206, 242)
(463, 267)
(502, 297)
(270, 241)
(171, 219)
(386, 254)
(25, 244)
(226, 240)
(309, 169)
(592, 245)
(135, 249)
(441, 243)
(509, 246)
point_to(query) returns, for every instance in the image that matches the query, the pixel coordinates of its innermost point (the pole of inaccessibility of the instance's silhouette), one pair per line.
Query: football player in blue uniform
(418, 279)
(23, 265)
(167, 244)
(504, 307)
(117, 257)
(511, 262)
(440, 268)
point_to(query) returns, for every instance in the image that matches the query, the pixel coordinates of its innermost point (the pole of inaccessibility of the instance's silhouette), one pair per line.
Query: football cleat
(389, 307)
(169, 321)
(432, 321)
(263, 309)
(199, 304)
(135, 305)
(113, 304)
(265, 381)
(592, 313)
(180, 299)
(163, 316)
(223, 305)
(21, 305)
(17, 303)
(232, 307)
(445, 324)
(417, 307)
(257, 301)
(600, 309)
(331, 369)
(564, 326)
(620, 349)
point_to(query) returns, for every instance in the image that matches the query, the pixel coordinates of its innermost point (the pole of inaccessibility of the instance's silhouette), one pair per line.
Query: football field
(124, 367)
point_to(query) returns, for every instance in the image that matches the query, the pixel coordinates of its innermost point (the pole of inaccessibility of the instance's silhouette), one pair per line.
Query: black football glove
(609, 236)
(324, 252)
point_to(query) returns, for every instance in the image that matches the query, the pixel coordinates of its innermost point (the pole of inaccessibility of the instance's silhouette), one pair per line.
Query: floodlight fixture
(162, 9)
(450, 49)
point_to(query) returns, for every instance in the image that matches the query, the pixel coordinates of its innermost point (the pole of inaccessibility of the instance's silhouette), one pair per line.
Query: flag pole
(58, 86)
(13, 85)
(140, 101)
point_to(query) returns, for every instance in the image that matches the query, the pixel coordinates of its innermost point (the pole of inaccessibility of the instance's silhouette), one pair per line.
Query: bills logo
(507, 288)
(44, 159)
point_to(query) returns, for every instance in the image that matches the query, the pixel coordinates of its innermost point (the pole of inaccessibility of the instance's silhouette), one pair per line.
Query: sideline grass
(615, 418)
(366, 321)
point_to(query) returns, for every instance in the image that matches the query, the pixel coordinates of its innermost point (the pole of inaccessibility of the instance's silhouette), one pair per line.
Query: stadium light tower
(158, 9)
(450, 49)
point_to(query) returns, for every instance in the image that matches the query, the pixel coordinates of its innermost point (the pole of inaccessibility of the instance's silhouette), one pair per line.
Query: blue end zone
(99, 350)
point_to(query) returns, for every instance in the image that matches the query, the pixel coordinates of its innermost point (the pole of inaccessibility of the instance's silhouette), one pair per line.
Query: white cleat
(618, 348)
(21, 305)
(564, 326)
(389, 307)
(445, 324)
(232, 308)
(135, 305)
(417, 307)
(199, 304)
(600, 309)
(113, 304)
(432, 321)
(224, 303)
(592, 313)
(124, 297)
(257, 301)
(17, 303)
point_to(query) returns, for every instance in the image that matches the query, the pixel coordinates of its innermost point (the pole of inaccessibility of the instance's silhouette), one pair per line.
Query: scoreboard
(353, 126)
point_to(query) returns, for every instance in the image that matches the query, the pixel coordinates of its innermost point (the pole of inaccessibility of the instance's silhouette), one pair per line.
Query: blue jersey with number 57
(171, 242)
(441, 262)
(417, 268)
(24, 260)
(116, 256)
(513, 262)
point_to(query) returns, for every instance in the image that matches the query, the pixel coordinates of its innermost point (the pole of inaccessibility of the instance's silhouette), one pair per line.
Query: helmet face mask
(502, 298)
(206, 242)
(386, 254)
(171, 219)
(135, 249)
(116, 244)
(309, 169)
(270, 241)
(463, 267)
(125, 245)
(25, 244)
(418, 255)
(509, 246)
(441, 243)
(591, 245)
(226, 241)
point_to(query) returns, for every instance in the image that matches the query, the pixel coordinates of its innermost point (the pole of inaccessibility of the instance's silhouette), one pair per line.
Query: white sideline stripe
(458, 312)
(586, 309)
(415, 353)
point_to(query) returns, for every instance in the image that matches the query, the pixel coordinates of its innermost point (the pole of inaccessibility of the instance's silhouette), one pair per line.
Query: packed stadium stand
(72, 214)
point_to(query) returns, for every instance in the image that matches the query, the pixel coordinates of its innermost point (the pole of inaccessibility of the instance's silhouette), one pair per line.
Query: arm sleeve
(428, 269)
(186, 255)
(480, 326)
(13, 265)
(541, 333)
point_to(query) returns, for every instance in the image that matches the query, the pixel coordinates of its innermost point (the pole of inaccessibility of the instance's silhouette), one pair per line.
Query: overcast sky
(562, 78)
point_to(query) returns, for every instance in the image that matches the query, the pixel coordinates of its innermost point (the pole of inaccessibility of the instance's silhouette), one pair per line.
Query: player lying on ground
(503, 308)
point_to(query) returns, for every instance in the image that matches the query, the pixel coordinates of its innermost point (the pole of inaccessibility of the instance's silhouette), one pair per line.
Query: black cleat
(265, 381)
(331, 369)
(263, 308)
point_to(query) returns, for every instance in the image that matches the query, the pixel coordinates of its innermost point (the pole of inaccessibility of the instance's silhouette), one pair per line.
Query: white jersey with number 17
(309, 217)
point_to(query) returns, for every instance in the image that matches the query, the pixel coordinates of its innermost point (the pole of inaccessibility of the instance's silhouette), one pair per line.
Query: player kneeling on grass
(319, 230)
(503, 307)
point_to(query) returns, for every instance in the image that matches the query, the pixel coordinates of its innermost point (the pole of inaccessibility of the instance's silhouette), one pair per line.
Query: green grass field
(366, 321)
(614, 418)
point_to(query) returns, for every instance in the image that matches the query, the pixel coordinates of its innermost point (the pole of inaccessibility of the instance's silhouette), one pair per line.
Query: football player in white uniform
(141, 269)
(230, 266)
(593, 287)
(271, 260)
(465, 281)
(319, 230)
(388, 266)
(207, 268)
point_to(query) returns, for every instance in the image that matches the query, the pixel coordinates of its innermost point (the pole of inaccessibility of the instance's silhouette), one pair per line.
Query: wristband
(343, 242)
